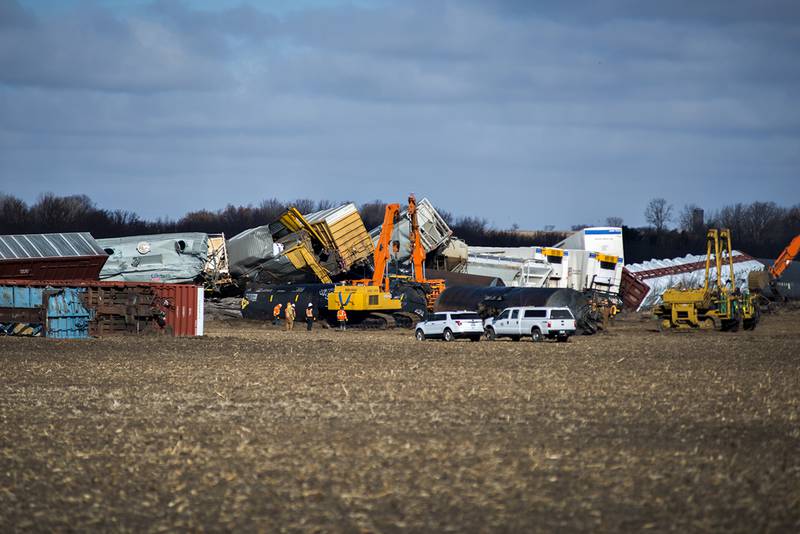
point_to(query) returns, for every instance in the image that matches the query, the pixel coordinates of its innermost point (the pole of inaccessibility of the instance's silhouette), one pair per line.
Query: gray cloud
(572, 114)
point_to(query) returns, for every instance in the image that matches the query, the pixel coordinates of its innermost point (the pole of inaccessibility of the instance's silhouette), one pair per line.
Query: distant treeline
(762, 229)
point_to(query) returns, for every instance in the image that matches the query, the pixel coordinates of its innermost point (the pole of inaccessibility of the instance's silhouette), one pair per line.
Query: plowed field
(254, 428)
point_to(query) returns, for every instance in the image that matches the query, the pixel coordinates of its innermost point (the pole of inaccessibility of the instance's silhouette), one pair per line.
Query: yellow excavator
(721, 306)
(387, 300)
(370, 300)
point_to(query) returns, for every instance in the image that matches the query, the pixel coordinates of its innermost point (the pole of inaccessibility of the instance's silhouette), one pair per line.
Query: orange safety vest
(341, 315)
(309, 313)
(276, 311)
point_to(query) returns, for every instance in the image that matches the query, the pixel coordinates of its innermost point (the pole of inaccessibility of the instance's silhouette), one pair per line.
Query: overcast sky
(525, 112)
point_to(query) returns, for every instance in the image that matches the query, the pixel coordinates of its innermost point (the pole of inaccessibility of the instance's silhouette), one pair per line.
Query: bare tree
(691, 218)
(14, 214)
(613, 221)
(760, 219)
(658, 213)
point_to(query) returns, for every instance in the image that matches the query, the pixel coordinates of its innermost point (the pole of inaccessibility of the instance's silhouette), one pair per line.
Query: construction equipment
(370, 300)
(390, 299)
(766, 284)
(785, 259)
(434, 286)
(719, 306)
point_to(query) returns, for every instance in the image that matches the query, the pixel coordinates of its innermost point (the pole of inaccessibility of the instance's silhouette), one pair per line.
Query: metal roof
(31, 246)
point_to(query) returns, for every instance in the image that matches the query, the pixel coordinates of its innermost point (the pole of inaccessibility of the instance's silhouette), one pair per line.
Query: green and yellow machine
(721, 306)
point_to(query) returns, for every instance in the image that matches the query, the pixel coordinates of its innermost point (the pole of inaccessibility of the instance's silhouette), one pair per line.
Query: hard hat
(310, 305)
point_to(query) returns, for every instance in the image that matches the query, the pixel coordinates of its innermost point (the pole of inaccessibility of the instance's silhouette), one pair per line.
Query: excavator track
(405, 319)
(377, 321)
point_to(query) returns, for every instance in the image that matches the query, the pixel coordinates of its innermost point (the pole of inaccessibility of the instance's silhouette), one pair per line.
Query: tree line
(78, 213)
(762, 229)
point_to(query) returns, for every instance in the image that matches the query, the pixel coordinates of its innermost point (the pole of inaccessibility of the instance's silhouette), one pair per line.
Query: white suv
(539, 323)
(450, 326)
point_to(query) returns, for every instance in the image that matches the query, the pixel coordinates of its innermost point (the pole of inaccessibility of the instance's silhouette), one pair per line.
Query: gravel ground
(254, 428)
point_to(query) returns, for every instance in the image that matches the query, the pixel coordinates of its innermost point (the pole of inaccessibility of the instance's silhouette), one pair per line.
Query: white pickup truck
(539, 323)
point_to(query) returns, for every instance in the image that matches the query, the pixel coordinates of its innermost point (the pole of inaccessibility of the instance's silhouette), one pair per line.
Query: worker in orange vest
(341, 315)
(276, 313)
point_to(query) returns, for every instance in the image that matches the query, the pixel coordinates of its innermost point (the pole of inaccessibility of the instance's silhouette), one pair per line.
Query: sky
(532, 113)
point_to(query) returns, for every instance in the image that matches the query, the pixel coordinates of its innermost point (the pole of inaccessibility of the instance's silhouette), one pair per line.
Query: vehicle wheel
(563, 339)
(536, 335)
(515, 338)
(490, 334)
(448, 335)
(420, 335)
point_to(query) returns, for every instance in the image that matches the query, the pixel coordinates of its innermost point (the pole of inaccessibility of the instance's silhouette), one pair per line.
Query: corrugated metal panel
(53, 312)
(67, 315)
(343, 230)
(183, 312)
(24, 246)
(50, 256)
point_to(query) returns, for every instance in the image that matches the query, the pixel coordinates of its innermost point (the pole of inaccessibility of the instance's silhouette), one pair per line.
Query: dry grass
(255, 428)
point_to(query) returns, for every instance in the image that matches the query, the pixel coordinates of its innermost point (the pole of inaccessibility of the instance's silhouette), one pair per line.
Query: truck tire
(536, 334)
(490, 333)
(448, 335)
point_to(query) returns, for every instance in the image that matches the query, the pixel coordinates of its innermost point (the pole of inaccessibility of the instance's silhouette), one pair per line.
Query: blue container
(20, 297)
(65, 315)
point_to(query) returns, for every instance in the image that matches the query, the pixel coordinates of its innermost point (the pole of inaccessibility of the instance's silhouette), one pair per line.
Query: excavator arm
(417, 252)
(786, 257)
(383, 249)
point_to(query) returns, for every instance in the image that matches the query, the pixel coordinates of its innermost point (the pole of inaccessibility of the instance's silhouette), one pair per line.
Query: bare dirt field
(253, 428)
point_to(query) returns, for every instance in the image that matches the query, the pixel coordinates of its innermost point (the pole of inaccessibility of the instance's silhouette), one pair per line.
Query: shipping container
(113, 307)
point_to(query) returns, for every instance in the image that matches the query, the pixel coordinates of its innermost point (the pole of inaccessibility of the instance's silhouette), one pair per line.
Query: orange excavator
(766, 283)
(785, 258)
(388, 300)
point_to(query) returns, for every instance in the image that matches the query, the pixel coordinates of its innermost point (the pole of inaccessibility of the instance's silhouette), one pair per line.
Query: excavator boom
(786, 257)
(417, 252)
(383, 249)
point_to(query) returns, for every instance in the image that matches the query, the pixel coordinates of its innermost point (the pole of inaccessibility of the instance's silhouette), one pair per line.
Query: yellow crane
(719, 305)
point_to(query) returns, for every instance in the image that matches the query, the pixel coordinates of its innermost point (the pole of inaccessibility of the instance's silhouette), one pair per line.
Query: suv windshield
(560, 314)
(465, 316)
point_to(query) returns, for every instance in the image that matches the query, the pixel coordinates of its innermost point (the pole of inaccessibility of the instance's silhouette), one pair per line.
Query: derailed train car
(490, 301)
(261, 299)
